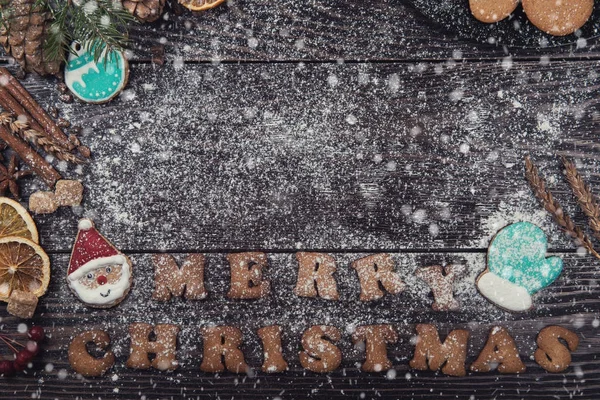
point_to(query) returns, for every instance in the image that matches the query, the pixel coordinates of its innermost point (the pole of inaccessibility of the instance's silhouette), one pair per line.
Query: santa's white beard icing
(105, 295)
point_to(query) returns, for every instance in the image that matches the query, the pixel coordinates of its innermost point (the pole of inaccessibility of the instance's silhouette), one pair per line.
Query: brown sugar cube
(43, 203)
(68, 192)
(22, 304)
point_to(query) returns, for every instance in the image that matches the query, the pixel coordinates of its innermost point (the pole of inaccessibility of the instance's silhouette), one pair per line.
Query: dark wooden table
(342, 126)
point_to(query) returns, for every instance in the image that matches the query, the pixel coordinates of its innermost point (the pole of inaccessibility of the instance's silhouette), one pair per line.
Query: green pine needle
(95, 24)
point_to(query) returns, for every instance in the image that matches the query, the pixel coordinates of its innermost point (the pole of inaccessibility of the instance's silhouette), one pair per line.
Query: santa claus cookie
(98, 274)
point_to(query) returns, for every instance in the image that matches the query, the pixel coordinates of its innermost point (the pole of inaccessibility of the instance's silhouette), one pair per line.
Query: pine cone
(145, 10)
(22, 33)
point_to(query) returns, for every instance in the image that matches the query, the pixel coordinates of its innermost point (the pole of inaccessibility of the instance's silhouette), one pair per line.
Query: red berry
(23, 357)
(7, 368)
(37, 333)
(32, 347)
(18, 366)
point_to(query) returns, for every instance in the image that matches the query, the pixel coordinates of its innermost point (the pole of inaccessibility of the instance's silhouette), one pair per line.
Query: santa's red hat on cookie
(98, 273)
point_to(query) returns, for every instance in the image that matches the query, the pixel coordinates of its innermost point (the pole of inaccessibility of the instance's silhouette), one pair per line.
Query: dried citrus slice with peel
(24, 265)
(199, 5)
(16, 221)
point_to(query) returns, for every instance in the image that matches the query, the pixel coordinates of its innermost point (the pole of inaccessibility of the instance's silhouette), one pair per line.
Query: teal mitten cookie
(517, 267)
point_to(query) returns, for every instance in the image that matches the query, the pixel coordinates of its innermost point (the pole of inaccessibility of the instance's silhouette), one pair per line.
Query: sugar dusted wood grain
(319, 157)
(421, 156)
(352, 30)
(406, 30)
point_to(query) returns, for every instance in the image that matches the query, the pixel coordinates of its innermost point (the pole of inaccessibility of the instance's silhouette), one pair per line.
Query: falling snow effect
(323, 156)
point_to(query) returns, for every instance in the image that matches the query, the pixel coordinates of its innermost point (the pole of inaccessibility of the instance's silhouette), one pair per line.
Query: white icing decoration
(117, 290)
(77, 75)
(85, 224)
(95, 81)
(504, 293)
(93, 265)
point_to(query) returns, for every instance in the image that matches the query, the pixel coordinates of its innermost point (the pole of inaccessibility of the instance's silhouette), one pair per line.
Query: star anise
(10, 175)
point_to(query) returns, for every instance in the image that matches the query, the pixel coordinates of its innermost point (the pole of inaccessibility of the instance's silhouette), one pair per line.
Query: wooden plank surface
(571, 302)
(378, 30)
(351, 157)
(344, 126)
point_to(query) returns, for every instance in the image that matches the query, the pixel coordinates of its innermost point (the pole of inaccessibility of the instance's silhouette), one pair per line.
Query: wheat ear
(553, 207)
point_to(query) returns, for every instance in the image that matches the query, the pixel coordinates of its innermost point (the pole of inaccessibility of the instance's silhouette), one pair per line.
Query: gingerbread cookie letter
(499, 350)
(271, 340)
(170, 280)
(551, 354)
(80, 359)
(320, 355)
(431, 354)
(164, 347)
(376, 338)
(442, 284)
(222, 341)
(315, 276)
(98, 273)
(376, 269)
(246, 276)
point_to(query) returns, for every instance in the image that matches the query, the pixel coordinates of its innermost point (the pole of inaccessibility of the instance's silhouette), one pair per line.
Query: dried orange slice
(16, 221)
(199, 5)
(24, 266)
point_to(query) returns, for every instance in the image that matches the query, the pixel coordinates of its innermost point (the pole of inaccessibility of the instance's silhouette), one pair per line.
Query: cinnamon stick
(29, 156)
(8, 102)
(21, 94)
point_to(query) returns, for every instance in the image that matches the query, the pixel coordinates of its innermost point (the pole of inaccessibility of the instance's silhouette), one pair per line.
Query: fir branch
(101, 29)
(99, 25)
(585, 197)
(58, 40)
(538, 186)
